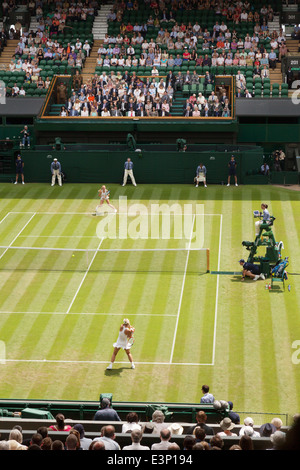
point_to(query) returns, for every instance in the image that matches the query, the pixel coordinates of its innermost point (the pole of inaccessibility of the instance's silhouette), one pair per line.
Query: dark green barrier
(149, 167)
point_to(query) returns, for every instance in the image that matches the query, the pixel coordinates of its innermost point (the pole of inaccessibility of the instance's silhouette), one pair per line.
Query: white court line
(85, 274)
(63, 313)
(118, 213)
(59, 236)
(53, 361)
(9, 246)
(124, 315)
(2, 220)
(103, 250)
(181, 293)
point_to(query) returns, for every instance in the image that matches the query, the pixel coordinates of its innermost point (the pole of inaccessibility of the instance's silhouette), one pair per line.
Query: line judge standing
(128, 170)
(56, 172)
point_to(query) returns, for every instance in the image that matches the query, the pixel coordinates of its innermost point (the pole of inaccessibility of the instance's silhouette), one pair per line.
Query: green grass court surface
(60, 311)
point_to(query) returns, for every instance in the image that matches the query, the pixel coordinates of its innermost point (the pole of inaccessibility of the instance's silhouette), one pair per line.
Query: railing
(179, 412)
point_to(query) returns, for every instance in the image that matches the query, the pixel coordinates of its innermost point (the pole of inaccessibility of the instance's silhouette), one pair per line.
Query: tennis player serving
(124, 341)
(104, 193)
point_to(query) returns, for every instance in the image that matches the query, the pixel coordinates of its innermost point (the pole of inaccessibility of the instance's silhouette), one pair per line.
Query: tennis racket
(131, 340)
(131, 337)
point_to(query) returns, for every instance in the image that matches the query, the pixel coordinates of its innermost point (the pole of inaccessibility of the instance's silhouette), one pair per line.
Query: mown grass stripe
(241, 321)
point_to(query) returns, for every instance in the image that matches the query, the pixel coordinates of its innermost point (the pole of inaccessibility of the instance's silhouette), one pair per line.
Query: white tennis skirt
(122, 345)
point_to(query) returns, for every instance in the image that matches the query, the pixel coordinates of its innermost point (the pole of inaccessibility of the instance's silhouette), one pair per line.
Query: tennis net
(144, 260)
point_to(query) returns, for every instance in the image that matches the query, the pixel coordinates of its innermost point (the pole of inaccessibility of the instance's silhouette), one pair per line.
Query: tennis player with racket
(125, 341)
(104, 193)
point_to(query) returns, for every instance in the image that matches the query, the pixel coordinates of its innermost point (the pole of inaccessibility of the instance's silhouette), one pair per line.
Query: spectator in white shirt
(247, 429)
(164, 444)
(226, 425)
(87, 48)
(85, 111)
(136, 437)
(15, 90)
(207, 397)
(244, 16)
(132, 423)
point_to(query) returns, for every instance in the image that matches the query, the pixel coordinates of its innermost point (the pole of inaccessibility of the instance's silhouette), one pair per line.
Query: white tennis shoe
(132, 366)
(109, 367)
(256, 277)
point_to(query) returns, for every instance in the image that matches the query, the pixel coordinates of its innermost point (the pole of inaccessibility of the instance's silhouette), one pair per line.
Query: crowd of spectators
(200, 436)
(54, 20)
(186, 44)
(152, 47)
(47, 44)
(159, 53)
(116, 94)
(228, 45)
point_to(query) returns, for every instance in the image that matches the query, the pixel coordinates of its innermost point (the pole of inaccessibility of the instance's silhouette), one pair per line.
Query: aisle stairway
(100, 26)
(276, 75)
(90, 63)
(178, 104)
(293, 47)
(8, 53)
(274, 25)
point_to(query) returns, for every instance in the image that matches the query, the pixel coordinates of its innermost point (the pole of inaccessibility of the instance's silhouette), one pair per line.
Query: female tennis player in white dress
(104, 193)
(125, 333)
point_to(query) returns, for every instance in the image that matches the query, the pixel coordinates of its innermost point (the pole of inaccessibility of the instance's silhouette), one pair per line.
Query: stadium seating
(129, 24)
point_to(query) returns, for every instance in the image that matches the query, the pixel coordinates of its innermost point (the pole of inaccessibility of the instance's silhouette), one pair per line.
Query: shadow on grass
(116, 371)
(277, 290)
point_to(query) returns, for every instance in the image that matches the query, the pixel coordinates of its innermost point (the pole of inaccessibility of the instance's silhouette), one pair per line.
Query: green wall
(268, 133)
(149, 167)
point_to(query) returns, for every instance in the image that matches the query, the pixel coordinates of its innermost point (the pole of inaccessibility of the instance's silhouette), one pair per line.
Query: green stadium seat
(209, 89)
(186, 90)
(284, 93)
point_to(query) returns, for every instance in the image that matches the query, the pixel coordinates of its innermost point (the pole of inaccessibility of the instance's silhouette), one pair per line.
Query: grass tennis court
(60, 310)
